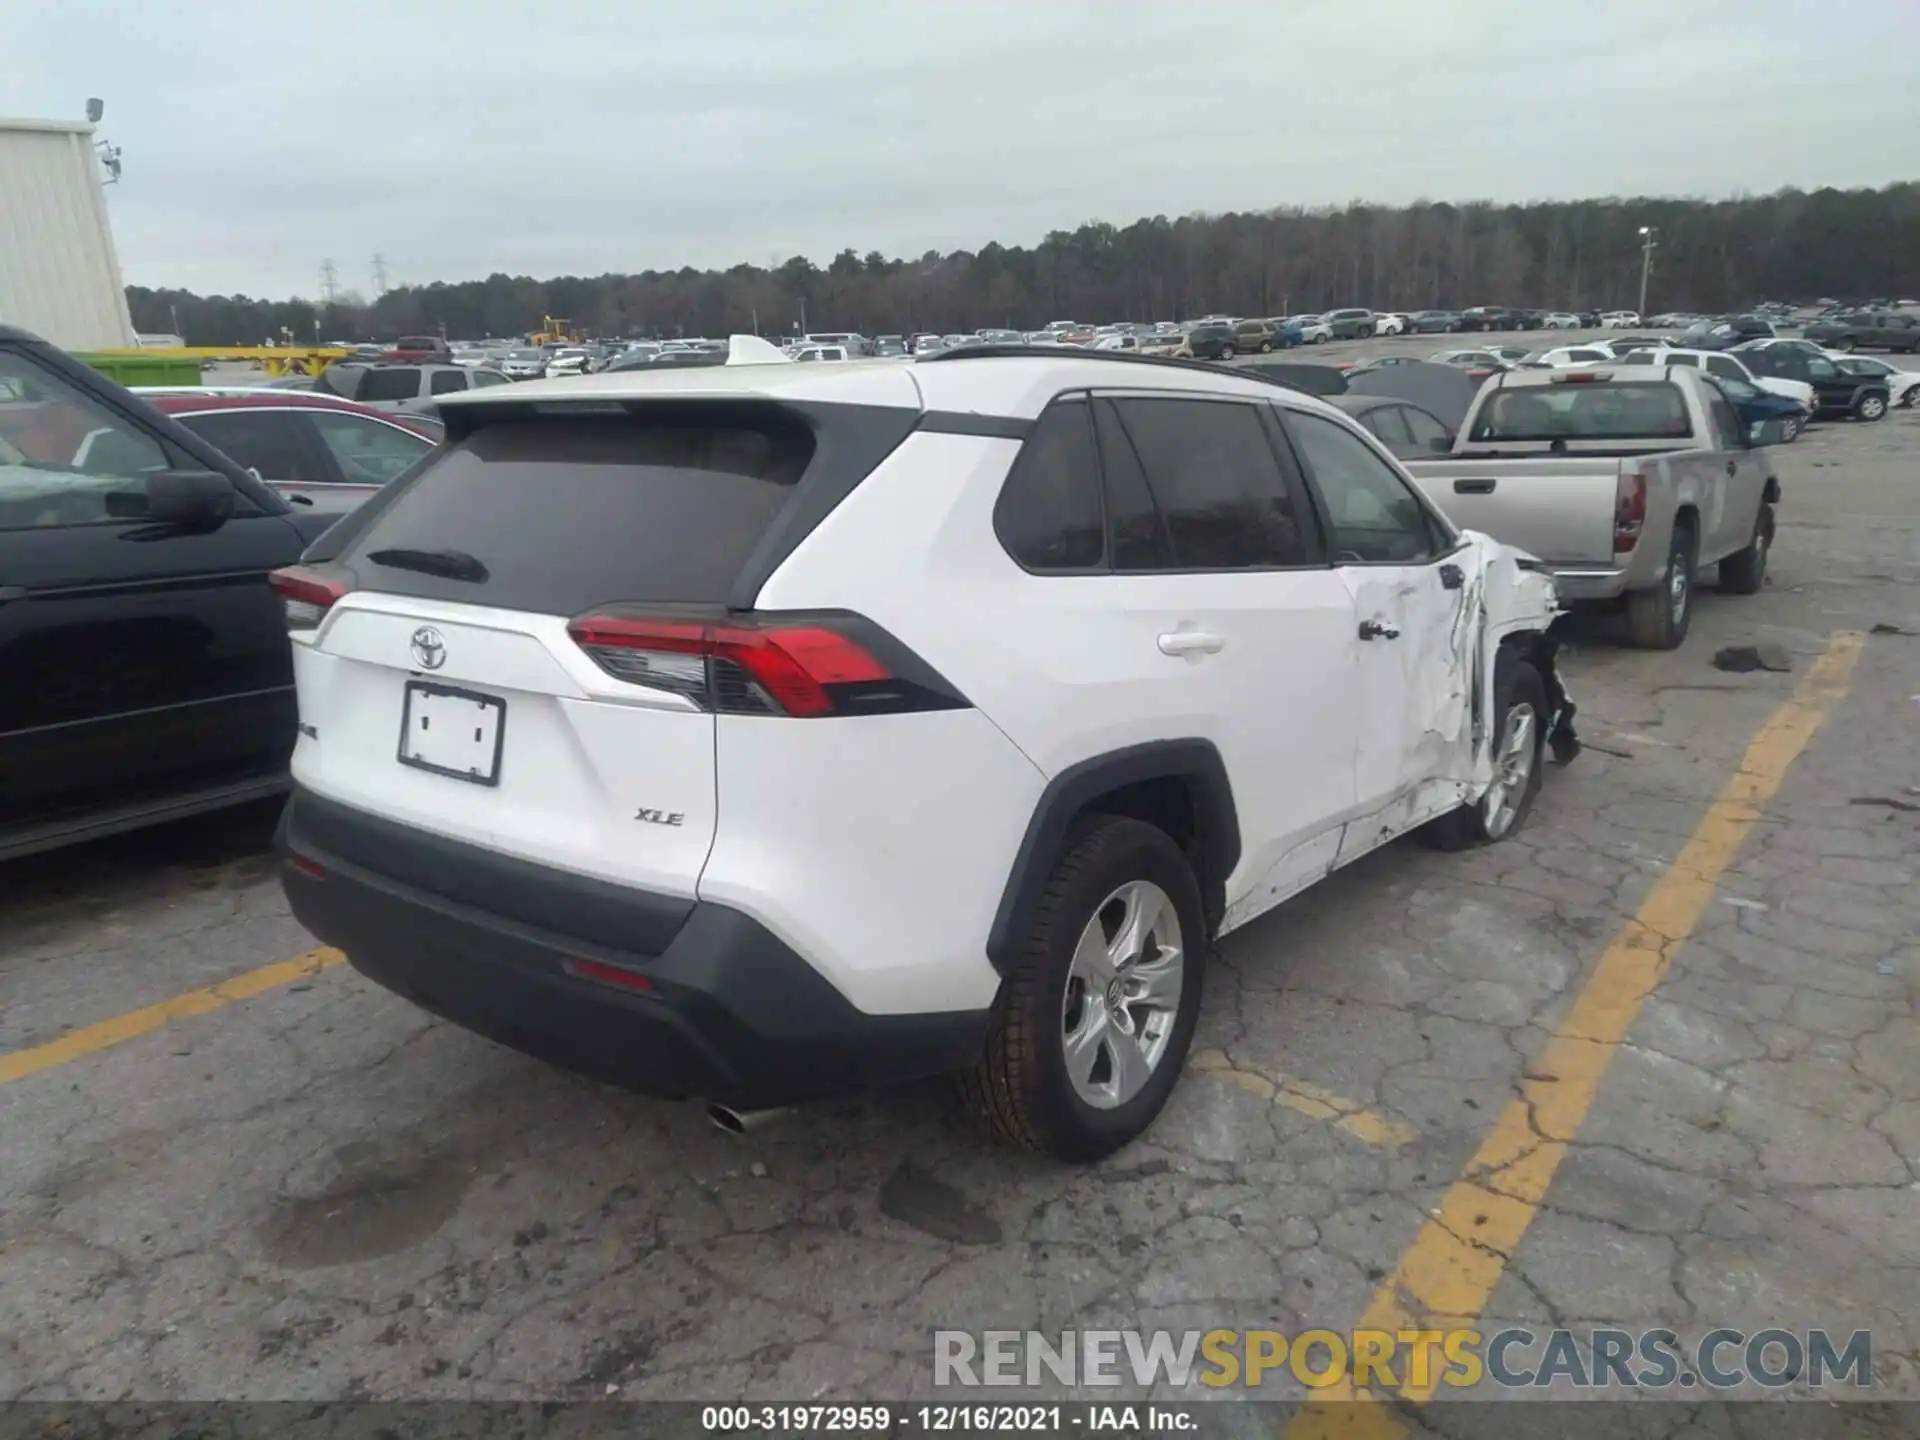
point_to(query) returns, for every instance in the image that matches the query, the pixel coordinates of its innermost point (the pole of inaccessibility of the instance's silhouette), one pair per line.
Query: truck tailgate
(1558, 510)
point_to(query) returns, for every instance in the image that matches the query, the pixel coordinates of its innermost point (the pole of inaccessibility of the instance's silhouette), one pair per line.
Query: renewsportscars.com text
(1513, 1358)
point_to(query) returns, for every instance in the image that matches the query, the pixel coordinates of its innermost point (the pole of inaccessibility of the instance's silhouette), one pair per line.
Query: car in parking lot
(1433, 322)
(1728, 367)
(318, 451)
(1903, 386)
(1560, 320)
(521, 364)
(144, 675)
(1314, 329)
(1478, 364)
(1623, 482)
(1620, 320)
(1349, 324)
(659, 813)
(1836, 392)
(1208, 340)
(1390, 324)
(1868, 330)
(1409, 431)
(1490, 318)
(1254, 337)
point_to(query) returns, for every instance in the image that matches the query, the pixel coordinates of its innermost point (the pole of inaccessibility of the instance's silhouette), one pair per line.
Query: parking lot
(1653, 1062)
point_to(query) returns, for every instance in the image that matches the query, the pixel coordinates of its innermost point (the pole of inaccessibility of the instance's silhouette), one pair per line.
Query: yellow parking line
(1447, 1274)
(91, 1039)
(1304, 1097)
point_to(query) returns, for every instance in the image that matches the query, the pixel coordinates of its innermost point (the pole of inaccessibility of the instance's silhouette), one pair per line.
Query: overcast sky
(546, 137)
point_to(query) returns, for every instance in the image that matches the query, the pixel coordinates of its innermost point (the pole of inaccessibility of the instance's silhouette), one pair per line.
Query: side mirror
(191, 499)
(1440, 444)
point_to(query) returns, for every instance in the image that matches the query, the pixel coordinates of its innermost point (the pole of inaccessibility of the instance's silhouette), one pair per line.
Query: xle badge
(661, 817)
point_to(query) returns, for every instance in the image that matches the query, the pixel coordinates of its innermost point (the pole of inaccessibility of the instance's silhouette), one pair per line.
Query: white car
(1560, 320)
(816, 730)
(1620, 320)
(1564, 356)
(1389, 324)
(809, 354)
(1313, 329)
(574, 360)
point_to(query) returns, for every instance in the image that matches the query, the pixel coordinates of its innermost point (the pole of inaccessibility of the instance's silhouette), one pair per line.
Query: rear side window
(1629, 410)
(399, 384)
(1048, 513)
(445, 382)
(1216, 482)
(558, 514)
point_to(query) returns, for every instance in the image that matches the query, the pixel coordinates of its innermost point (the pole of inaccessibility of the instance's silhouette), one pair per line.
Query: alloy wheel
(1122, 995)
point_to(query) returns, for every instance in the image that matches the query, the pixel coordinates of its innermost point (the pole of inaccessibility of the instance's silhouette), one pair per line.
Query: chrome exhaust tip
(729, 1121)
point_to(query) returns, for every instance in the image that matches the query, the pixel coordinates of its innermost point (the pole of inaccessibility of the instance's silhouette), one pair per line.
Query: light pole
(1648, 239)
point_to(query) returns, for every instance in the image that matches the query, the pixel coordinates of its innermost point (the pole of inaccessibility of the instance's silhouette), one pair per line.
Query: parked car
(1208, 340)
(1623, 482)
(317, 450)
(810, 354)
(1509, 354)
(1434, 322)
(523, 364)
(1490, 318)
(570, 360)
(1478, 364)
(1253, 337)
(1759, 408)
(1903, 386)
(1730, 367)
(1742, 328)
(1350, 324)
(777, 921)
(1560, 320)
(400, 387)
(1836, 392)
(1620, 320)
(893, 345)
(1566, 355)
(1408, 431)
(1158, 344)
(1876, 330)
(143, 673)
(1314, 329)
(418, 349)
(1390, 323)
(1324, 381)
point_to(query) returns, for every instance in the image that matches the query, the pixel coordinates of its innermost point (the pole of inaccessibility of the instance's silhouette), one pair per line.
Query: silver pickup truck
(1624, 481)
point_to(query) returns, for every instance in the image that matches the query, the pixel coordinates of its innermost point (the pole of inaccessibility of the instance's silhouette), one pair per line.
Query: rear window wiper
(447, 564)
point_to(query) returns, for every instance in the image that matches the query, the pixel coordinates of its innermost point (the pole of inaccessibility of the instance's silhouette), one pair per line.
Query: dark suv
(1210, 340)
(1350, 324)
(1835, 391)
(1871, 330)
(1487, 317)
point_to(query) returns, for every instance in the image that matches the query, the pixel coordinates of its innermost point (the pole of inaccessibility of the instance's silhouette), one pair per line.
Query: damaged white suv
(761, 732)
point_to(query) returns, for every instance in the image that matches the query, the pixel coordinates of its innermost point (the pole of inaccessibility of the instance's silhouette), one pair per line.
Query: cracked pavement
(319, 1192)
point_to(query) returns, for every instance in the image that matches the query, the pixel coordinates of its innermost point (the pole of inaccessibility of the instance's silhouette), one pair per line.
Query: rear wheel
(1871, 406)
(1518, 756)
(1093, 1022)
(1745, 572)
(1266, 347)
(1658, 617)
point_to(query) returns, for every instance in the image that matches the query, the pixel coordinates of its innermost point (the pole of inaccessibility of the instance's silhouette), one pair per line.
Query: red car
(415, 349)
(316, 450)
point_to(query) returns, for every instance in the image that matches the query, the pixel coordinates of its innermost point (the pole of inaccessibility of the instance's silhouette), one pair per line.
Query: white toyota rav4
(761, 732)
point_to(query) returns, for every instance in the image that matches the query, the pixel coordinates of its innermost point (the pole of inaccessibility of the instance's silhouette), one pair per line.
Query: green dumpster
(144, 369)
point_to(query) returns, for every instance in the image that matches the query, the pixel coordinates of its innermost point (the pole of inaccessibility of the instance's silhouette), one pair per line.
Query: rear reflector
(313, 869)
(610, 975)
(305, 594)
(761, 665)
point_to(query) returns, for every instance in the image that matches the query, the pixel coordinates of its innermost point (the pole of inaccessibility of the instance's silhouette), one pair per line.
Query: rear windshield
(1601, 410)
(559, 514)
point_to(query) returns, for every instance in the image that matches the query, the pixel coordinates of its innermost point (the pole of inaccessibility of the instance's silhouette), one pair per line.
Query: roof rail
(1123, 357)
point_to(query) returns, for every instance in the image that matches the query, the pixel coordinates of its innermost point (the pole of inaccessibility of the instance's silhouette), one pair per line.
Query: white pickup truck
(1624, 480)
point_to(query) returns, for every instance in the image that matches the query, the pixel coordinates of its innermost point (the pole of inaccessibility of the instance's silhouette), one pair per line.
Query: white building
(59, 273)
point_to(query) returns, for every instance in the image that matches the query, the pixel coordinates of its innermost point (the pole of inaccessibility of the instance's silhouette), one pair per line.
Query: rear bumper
(731, 1013)
(1577, 584)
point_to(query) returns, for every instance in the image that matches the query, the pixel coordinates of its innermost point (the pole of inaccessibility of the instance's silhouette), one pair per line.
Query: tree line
(1711, 256)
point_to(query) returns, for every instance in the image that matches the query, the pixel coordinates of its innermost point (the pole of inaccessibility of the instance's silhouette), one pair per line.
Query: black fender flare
(1074, 790)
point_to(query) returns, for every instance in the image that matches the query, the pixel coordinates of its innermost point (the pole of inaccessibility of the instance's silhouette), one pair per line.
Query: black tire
(1870, 406)
(1516, 683)
(1266, 347)
(1745, 571)
(1019, 1087)
(1658, 618)
(1791, 428)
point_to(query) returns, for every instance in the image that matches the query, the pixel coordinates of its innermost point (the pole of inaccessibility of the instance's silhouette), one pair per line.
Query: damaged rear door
(1415, 631)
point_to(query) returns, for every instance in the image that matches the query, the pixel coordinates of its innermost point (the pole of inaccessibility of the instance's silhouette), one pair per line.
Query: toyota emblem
(429, 648)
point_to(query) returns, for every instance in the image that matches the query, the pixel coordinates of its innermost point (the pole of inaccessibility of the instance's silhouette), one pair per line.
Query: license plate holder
(452, 732)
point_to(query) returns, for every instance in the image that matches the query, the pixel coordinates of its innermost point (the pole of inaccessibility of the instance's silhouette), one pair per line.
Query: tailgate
(1560, 511)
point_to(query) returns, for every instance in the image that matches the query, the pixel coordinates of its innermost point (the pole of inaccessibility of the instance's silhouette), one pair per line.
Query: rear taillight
(766, 665)
(306, 595)
(1629, 511)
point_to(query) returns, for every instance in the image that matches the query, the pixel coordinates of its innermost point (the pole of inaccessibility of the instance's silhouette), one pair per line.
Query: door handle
(1190, 642)
(1474, 487)
(12, 592)
(1733, 467)
(1377, 630)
